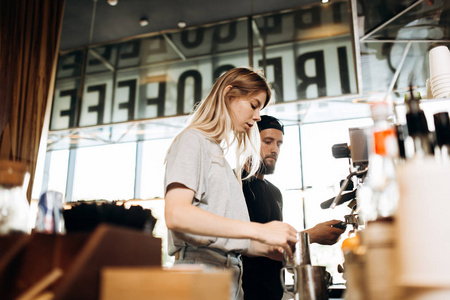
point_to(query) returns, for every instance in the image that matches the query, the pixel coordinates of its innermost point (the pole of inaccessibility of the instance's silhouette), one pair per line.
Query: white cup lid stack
(439, 81)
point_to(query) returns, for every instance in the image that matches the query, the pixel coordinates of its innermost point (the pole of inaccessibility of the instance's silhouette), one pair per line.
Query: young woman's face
(246, 110)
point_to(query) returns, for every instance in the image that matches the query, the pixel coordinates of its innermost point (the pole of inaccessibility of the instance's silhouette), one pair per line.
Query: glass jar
(14, 206)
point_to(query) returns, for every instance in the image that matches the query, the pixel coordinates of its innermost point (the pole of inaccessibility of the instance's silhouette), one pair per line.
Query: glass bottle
(380, 192)
(417, 126)
(14, 207)
(379, 207)
(442, 130)
(402, 135)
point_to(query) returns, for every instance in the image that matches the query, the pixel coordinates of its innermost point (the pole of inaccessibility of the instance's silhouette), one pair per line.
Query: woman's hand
(258, 249)
(280, 236)
(275, 253)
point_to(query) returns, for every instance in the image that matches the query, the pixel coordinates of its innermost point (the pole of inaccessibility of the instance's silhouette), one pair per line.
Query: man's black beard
(265, 169)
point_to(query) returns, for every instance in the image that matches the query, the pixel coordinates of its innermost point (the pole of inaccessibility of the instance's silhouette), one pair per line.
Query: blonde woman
(205, 209)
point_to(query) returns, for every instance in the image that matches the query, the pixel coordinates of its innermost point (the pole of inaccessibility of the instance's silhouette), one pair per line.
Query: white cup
(439, 76)
(442, 95)
(440, 86)
(422, 225)
(440, 89)
(436, 89)
(439, 58)
(443, 78)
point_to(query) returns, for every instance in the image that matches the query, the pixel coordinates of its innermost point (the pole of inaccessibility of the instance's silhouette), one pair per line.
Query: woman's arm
(182, 216)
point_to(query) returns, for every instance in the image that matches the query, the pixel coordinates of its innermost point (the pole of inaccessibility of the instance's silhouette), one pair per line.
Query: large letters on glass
(306, 54)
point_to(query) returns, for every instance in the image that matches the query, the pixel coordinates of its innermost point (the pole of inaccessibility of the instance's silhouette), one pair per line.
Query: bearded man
(261, 275)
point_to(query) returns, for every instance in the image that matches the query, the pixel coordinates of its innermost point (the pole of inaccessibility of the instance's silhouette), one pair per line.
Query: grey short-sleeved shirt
(199, 164)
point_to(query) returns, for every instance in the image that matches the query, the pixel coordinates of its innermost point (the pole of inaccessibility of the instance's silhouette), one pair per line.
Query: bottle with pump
(378, 202)
(380, 194)
(442, 130)
(417, 126)
(402, 135)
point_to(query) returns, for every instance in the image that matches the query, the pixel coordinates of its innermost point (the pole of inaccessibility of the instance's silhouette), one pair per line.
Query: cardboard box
(119, 283)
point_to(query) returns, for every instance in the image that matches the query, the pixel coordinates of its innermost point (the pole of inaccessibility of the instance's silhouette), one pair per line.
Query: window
(105, 172)
(57, 171)
(288, 178)
(153, 168)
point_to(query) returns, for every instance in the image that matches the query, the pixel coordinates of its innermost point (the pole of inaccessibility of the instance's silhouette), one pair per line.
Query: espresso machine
(357, 155)
(312, 282)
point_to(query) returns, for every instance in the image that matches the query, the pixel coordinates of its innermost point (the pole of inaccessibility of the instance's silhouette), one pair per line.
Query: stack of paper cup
(440, 72)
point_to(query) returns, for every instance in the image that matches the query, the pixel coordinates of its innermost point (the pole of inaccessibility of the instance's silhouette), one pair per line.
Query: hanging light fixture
(143, 21)
(112, 2)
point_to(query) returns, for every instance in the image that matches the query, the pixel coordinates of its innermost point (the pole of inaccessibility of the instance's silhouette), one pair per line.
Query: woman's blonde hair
(212, 115)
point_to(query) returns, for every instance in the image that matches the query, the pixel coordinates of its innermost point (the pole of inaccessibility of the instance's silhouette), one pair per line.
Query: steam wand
(345, 184)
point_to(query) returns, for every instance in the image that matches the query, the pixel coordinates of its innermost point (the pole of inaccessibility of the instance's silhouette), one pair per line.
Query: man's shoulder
(272, 186)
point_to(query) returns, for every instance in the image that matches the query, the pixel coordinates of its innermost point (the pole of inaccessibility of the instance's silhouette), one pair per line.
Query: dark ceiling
(111, 23)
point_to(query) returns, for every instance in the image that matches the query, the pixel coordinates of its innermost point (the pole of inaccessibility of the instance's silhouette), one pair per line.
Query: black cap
(442, 128)
(417, 123)
(267, 122)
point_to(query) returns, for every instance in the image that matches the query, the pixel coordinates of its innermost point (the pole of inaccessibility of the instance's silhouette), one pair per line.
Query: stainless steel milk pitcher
(310, 282)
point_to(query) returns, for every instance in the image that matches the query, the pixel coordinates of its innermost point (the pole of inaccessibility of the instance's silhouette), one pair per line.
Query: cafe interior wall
(391, 42)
